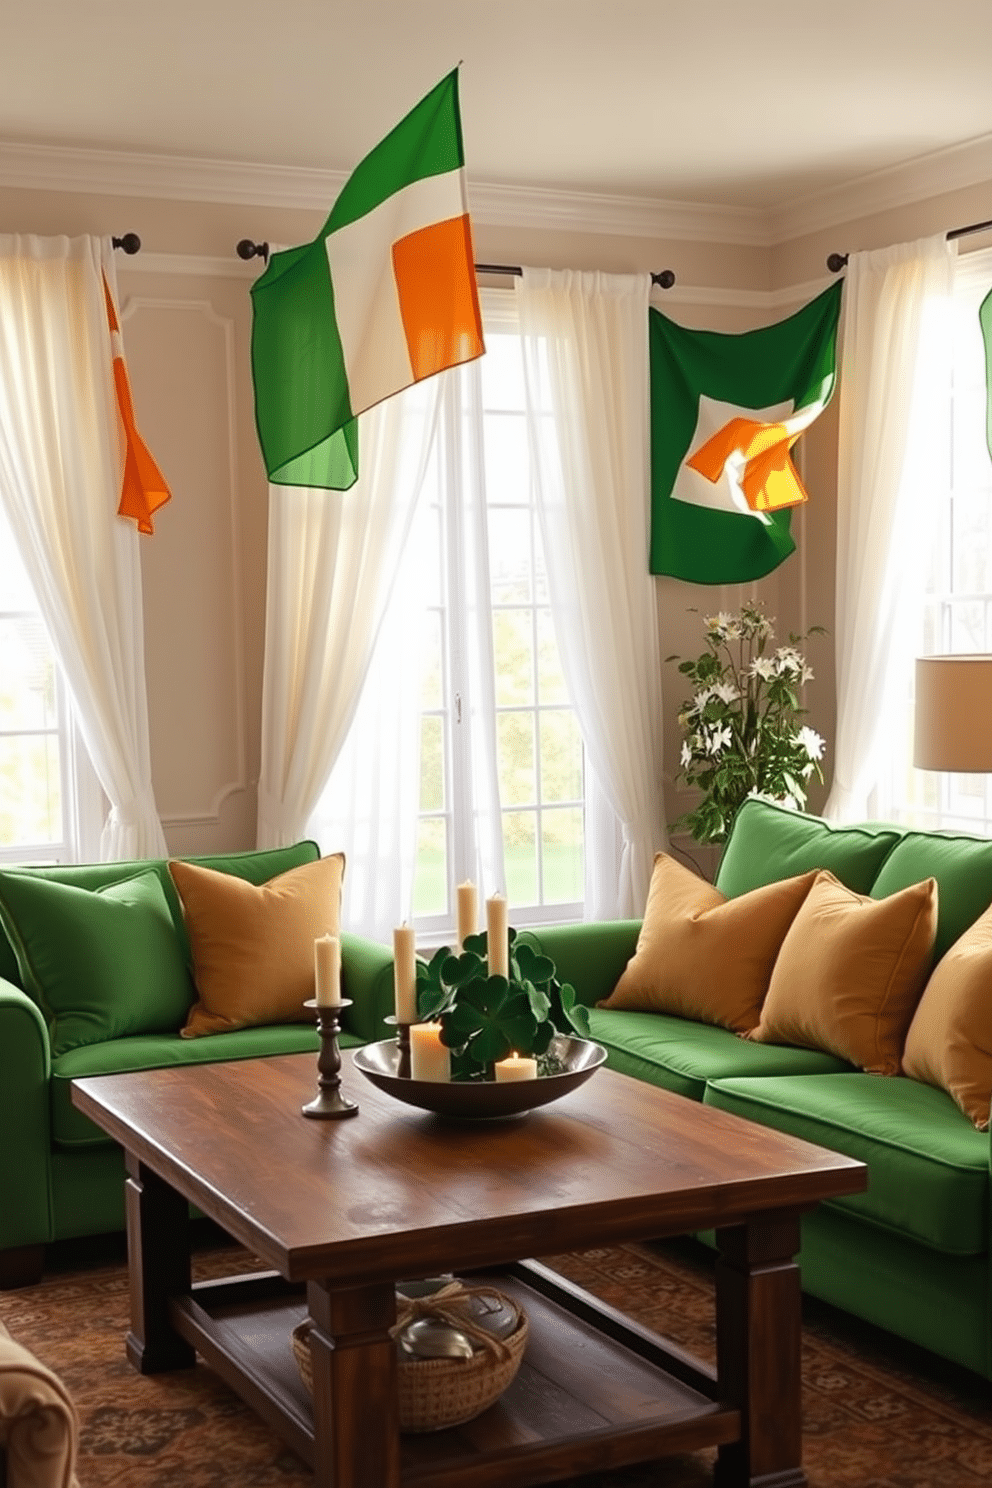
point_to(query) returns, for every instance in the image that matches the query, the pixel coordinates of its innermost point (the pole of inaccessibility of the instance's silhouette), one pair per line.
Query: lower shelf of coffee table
(594, 1390)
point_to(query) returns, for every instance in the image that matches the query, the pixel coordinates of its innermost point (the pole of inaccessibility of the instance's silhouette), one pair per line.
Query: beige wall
(186, 313)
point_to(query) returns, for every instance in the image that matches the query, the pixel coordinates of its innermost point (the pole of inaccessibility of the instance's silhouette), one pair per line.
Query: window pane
(513, 655)
(564, 863)
(431, 764)
(509, 555)
(27, 675)
(430, 886)
(561, 757)
(515, 752)
(506, 459)
(30, 791)
(432, 683)
(520, 856)
(502, 373)
(550, 677)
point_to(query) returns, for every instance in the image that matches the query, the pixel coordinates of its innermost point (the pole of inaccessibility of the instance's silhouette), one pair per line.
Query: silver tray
(481, 1100)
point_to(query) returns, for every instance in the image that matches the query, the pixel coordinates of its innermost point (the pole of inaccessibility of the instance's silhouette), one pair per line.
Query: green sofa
(60, 1176)
(912, 1254)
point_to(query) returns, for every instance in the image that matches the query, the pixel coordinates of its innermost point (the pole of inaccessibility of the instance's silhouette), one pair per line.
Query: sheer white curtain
(586, 360)
(892, 357)
(332, 562)
(370, 805)
(61, 461)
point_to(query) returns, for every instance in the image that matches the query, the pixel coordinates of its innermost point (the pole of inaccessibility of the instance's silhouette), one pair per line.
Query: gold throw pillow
(850, 973)
(252, 944)
(703, 956)
(949, 1043)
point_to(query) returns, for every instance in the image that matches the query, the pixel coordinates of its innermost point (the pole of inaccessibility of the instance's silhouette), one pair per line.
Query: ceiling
(743, 103)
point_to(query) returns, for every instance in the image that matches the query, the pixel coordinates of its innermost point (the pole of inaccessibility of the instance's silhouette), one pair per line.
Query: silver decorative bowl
(481, 1100)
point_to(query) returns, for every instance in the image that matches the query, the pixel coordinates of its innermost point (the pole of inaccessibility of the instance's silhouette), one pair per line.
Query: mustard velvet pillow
(850, 973)
(252, 945)
(703, 956)
(949, 1043)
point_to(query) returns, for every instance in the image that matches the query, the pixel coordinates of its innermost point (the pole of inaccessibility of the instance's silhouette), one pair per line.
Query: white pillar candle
(468, 914)
(497, 925)
(429, 1059)
(516, 1067)
(405, 973)
(327, 970)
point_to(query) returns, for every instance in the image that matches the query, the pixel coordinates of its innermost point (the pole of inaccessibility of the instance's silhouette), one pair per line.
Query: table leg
(158, 1268)
(759, 1341)
(355, 1383)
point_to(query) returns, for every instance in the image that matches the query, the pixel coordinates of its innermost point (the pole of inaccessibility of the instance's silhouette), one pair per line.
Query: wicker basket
(436, 1393)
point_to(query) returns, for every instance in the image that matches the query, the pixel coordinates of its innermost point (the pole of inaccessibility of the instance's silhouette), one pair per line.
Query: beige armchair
(39, 1429)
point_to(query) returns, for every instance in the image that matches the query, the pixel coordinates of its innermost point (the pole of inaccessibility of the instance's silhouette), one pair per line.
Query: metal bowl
(481, 1100)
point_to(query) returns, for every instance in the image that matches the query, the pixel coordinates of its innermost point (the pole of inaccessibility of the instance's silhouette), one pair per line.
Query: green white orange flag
(384, 296)
(143, 487)
(985, 320)
(726, 411)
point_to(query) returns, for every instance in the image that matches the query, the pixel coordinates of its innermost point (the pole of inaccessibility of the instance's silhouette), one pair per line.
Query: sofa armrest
(25, 1130)
(367, 978)
(589, 956)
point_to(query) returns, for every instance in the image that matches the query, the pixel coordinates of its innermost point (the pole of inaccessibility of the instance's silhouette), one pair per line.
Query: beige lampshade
(953, 713)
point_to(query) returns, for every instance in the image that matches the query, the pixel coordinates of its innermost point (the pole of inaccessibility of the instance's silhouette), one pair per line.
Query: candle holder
(402, 1044)
(329, 1104)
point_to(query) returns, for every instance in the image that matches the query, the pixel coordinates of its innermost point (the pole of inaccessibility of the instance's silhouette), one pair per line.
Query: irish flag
(383, 297)
(725, 413)
(143, 486)
(985, 321)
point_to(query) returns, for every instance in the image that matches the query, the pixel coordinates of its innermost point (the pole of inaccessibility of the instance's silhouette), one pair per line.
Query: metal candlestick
(329, 1104)
(402, 1043)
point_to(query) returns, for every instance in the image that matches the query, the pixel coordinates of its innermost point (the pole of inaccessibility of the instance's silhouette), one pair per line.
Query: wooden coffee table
(341, 1210)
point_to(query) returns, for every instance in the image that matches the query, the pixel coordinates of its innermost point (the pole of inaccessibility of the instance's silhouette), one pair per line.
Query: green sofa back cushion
(100, 963)
(767, 842)
(256, 867)
(962, 867)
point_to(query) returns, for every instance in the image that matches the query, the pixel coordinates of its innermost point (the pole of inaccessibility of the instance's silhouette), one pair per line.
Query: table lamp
(953, 729)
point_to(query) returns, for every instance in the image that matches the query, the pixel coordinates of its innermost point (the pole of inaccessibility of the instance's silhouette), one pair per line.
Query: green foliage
(742, 725)
(483, 1017)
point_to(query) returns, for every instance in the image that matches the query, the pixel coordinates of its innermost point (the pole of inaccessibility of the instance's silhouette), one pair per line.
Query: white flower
(717, 624)
(701, 699)
(762, 667)
(787, 659)
(807, 673)
(810, 741)
(718, 739)
(726, 692)
(686, 756)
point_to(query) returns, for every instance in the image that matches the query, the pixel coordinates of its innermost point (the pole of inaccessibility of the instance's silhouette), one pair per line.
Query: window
(35, 783)
(954, 612)
(538, 749)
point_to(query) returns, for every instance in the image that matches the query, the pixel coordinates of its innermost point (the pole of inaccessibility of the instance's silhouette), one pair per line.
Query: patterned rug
(877, 1413)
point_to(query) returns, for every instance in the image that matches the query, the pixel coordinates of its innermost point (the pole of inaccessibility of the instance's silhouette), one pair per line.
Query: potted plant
(742, 724)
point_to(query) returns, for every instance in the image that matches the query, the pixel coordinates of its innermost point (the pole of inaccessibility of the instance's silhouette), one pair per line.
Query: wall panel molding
(195, 813)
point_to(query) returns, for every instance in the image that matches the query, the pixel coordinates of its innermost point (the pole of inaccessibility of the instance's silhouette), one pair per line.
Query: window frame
(500, 318)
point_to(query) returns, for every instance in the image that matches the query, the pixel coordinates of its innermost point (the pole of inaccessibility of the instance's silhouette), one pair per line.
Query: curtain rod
(246, 249)
(130, 243)
(837, 261)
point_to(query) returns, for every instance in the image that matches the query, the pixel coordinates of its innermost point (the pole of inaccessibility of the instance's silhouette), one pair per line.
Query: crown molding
(956, 168)
(186, 178)
(627, 216)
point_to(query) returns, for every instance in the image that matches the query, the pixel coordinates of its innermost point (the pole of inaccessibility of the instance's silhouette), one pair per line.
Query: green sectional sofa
(912, 1254)
(60, 1176)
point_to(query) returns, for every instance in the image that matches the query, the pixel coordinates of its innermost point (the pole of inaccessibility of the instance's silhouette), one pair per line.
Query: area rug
(877, 1413)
